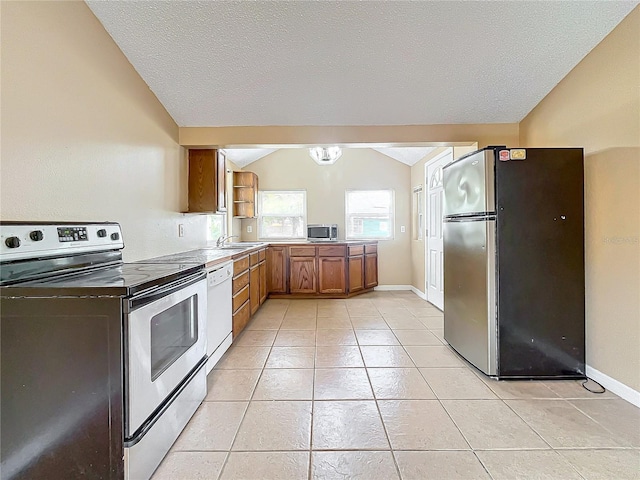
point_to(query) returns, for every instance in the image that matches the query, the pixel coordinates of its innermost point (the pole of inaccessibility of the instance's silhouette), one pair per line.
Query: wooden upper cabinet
(245, 194)
(356, 273)
(221, 181)
(277, 269)
(207, 181)
(332, 275)
(302, 275)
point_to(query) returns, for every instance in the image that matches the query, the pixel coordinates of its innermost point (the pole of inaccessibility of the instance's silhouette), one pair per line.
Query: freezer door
(469, 291)
(469, 186)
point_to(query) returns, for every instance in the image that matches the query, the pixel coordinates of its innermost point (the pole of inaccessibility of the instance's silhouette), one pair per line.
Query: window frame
(392, 214)
(261, 216)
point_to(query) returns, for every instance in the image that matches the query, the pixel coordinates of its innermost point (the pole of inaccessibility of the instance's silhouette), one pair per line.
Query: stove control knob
(12, 242)
(36, 235)
(115, 236)
(102, 233)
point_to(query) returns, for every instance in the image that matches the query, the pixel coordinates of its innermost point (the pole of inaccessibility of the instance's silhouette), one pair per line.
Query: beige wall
(361, 168)
(597, 106)
(436, 135)
(83, 138)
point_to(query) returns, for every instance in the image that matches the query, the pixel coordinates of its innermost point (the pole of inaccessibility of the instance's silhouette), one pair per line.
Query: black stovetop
(124, 279)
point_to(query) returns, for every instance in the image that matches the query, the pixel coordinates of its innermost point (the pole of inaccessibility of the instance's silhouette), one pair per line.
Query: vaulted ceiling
(407, 155)
(233, 63)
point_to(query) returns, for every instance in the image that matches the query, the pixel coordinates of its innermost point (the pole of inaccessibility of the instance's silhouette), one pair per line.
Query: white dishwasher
(219, 320)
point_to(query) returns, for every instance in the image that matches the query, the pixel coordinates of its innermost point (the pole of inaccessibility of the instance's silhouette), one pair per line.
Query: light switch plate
(402, 229)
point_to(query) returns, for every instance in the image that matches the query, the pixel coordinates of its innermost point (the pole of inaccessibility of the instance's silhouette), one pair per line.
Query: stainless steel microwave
(322, 232)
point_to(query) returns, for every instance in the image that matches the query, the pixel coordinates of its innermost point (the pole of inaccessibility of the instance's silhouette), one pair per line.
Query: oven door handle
(156, 293)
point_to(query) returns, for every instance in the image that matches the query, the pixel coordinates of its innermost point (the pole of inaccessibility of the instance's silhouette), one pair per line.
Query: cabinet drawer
(240, 282)
(356, 250)
(372, 248)
(241, 318)
(332, 251)
(241, 297)
(306, 251)
(240, 265)
(262, 254)
(253, 259)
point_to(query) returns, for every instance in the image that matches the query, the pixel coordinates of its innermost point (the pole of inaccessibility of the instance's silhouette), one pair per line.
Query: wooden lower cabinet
(370, 270)
(240, 297)
(254, 288)
(321, 270)
(356, 273)
(241, 318)
(302, 275)
(332, 275)
(262, 267)
(277, 269)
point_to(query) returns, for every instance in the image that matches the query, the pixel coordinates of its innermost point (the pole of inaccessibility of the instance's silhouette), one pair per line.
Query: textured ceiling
(229, 63)
(407, 155)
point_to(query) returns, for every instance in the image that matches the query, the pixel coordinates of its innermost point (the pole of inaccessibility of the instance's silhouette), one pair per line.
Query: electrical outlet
(249, 229)
(180, 230)
(402, 229)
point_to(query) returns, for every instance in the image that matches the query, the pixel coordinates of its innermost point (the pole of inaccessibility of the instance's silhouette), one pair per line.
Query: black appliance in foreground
(514, 301)
(101, 360)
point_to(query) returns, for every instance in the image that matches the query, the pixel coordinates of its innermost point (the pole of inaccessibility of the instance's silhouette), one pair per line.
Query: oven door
(166, 339)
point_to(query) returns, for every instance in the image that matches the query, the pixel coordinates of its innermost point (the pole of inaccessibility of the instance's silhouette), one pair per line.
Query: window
(418, 216)
(217, 224)
(369, 214)
(282, 214)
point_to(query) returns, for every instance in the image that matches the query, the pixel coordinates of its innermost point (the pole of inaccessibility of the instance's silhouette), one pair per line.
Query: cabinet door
(263, 281)
(277, 269)
(202, 180)
(356, 273)
(331, 275)
(254, 288)
(302, 275)
(221, 181)
(370, 270)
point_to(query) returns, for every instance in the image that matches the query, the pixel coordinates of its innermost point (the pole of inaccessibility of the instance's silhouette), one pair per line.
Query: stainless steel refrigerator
(514, 261)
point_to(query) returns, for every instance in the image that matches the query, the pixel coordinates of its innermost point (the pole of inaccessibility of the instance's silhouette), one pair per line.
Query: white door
(434, 272)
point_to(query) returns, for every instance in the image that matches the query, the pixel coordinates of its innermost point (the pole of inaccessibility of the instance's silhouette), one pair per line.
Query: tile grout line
(375, 399)
(475, 454)
(527, 423)
(437, 399)
(313, 398)
(255, 387)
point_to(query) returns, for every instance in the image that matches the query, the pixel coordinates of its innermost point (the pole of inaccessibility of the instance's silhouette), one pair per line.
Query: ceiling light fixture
(325, 155)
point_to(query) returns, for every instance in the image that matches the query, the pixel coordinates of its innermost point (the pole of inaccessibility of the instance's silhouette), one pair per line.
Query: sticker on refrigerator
(518, 154)
(503, 155)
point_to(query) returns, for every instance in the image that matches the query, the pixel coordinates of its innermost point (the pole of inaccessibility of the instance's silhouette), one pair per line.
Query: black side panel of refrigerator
(61, 411)
(540, 263)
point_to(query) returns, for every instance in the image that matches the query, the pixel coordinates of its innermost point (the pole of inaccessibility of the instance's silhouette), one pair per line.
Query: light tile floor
(367, 388)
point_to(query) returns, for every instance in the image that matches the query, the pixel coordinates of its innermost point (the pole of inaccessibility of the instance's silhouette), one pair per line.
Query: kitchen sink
(244, 244)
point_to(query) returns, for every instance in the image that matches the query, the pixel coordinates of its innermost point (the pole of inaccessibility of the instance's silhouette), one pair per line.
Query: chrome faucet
(224, 238)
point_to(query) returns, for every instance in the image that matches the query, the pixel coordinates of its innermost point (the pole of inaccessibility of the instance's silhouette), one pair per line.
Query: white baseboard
(613, 385)
(422, 295)
(388, 288)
